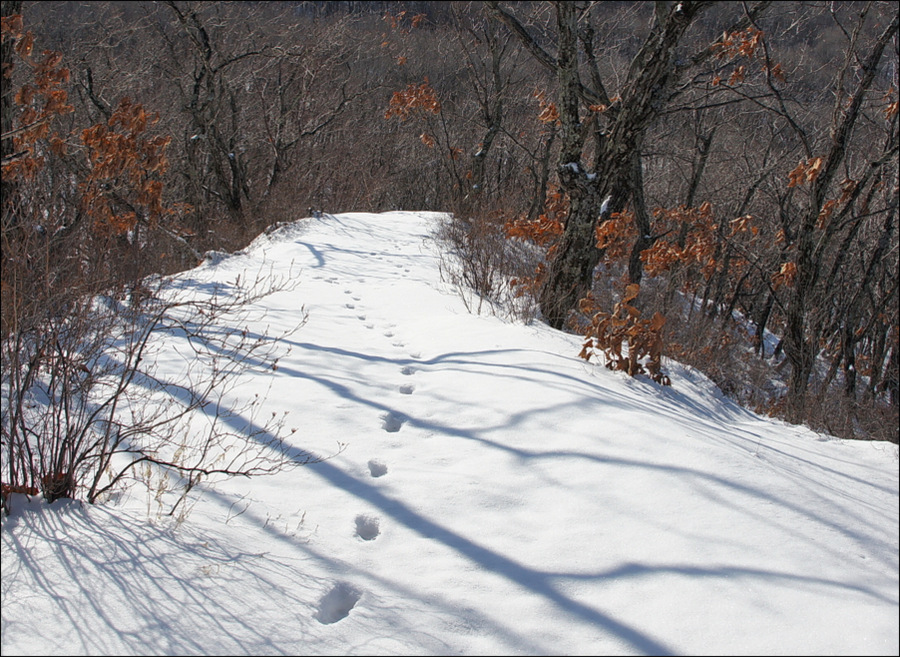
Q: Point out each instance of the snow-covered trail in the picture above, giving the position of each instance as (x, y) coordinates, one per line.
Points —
(493, 494)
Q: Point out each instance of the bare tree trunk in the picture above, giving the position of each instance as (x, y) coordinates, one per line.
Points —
(594, 196)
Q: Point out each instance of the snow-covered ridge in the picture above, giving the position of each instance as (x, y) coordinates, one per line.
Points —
(494, 494)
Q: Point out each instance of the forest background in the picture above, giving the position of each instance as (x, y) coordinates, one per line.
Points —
(715, 182)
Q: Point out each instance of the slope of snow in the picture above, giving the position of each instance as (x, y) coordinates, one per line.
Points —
(484, 492)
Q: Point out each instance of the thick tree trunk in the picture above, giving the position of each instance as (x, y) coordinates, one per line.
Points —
(595, 197)
(648, 88)
(570, 275)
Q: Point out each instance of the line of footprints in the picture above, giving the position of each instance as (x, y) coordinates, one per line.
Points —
(343, 596)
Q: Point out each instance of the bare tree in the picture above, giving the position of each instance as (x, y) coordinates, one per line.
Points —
(616, 123)
(818, 228)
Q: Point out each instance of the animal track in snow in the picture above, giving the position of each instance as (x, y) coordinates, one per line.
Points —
(408, 371)
(361, 318)
(391, 422)
(367, 527)
(350, 305)
(377, 468)
(337, 603)
(388, 334)
(407, 389)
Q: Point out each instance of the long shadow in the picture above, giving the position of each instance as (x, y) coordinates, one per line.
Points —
(320, 259)
(153, 585)
(521, 643)
(541, 583)
(536, 581)
(678, 401)
(598, 396)
(527, 578)
(163, 591)
(121, 564)
(637, 571)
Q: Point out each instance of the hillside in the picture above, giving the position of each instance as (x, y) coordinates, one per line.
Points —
(482, 491)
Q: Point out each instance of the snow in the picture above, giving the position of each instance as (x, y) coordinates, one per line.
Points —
(484, 492)
(604, 207)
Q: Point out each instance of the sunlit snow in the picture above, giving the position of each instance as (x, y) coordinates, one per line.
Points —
(483, 492)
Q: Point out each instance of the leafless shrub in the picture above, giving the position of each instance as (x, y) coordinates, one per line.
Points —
(107, 390)
(482, 264)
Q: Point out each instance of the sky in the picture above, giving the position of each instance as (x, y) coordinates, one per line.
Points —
(478, 490)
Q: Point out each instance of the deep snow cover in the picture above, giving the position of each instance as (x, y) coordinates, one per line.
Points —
(495, 495)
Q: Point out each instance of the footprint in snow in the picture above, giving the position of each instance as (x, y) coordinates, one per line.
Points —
(391, 422)
(377, 468)
(337, 603)
(407, 389)
(408, 371)
(367, 527)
